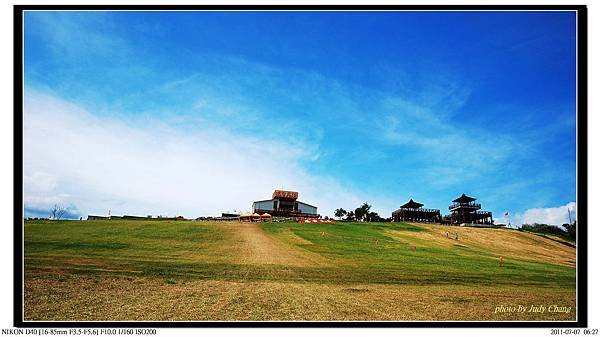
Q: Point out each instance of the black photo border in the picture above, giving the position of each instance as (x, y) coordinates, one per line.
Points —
(582, 189)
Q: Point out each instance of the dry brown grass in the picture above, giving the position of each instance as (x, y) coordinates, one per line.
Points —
(103, 297)
(245, 271)
(504, 242)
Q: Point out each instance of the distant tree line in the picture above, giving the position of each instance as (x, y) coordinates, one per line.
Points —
(569, 231)
(361, 213)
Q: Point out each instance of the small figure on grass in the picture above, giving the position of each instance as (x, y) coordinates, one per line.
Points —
(501, 259)
(413, 247)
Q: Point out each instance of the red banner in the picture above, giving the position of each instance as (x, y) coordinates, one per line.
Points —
(285, 194)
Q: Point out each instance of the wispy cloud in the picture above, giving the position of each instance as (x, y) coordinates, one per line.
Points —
(95, 164)
(288, 123)
(449, 150)
(160, 103)
(76, 34)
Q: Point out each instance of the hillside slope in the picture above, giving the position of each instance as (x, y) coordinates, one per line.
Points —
(192, 270)
(423, 252)
(501, 242)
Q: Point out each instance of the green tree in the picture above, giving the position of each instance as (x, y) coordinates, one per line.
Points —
(350, 216)
(340, 212)
(373, 216)
(571, 229)
(550, 229)
(362, 212)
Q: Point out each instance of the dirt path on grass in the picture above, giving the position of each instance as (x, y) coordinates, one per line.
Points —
(255, 246)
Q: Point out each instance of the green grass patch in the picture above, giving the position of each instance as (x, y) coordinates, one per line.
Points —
(356, 252)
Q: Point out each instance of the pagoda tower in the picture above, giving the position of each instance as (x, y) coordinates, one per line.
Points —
(464, 209)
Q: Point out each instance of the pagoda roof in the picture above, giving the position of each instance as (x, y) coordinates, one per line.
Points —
(463, 199)
(412, 204)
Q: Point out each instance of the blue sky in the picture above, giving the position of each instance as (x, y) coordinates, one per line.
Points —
(196, 113)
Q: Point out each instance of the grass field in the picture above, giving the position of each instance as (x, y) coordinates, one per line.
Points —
(192, 270)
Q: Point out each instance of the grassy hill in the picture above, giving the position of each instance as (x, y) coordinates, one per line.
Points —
(184, 270)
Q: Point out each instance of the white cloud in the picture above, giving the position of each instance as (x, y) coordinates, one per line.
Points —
(145, 166)
(75, 33)
(438, 139)
(550, 215)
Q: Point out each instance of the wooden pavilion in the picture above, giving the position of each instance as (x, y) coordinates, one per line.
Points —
(414, 211)
(465, 210)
